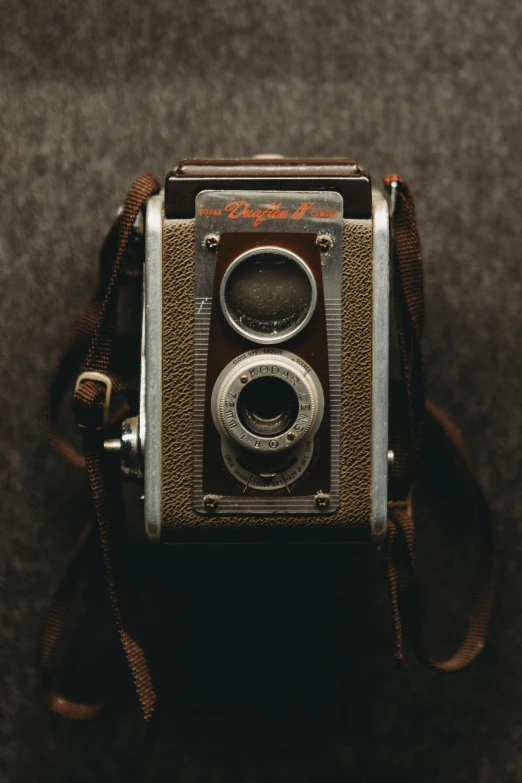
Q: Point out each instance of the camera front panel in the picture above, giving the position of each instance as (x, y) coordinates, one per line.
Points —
(267, 326)
(306, 368)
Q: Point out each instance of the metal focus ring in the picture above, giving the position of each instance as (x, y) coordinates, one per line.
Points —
(266, 365)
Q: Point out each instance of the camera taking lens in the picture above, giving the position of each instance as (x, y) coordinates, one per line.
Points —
(268, 406)
(267, 402)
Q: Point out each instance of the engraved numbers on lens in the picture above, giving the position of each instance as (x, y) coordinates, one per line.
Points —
(281, 395)
(267, 407)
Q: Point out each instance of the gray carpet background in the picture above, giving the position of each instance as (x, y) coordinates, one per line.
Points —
(91, 94)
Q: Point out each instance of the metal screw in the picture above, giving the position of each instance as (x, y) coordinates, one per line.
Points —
(243, 378)
(290, 435)
(323, 242)
(391, 457)
(322, 500)
(211, 241)
(210, 501)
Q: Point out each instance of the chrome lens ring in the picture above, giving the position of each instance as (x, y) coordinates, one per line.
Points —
(259, 336)
(303, 383)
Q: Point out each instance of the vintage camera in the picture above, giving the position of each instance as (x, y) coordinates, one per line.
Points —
(264, 373)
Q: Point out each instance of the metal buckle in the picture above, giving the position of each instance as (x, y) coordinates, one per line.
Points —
(101, 378)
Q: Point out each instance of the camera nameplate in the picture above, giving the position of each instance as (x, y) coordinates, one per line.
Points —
(317, 214)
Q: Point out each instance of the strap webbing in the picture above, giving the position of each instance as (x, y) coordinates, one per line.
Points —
(75, 353)
(406, 433)
(402, 570)
(407, 402)
(94, 335)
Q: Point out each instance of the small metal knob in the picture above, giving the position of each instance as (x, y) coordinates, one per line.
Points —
(113, 445)
(129, 447)
(131, 461)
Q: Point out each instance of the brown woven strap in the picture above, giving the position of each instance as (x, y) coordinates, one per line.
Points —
(405, 594)
(68, 365)
(408, 410)
(407, 401)
(93, 339)
(51, 631)
(75, 353)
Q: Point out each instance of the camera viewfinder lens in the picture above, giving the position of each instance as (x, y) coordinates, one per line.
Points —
(269, 294)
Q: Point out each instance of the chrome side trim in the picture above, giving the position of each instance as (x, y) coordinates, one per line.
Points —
(152, 296)
(380, 366)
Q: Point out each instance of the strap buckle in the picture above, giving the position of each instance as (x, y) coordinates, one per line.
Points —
(100, 377)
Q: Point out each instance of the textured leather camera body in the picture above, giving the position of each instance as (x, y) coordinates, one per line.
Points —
(266, 418)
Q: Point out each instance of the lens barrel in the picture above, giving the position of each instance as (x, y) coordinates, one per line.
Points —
(268, 402)
(267, 406)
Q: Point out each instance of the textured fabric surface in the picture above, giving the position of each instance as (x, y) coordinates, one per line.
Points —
(280, 660)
